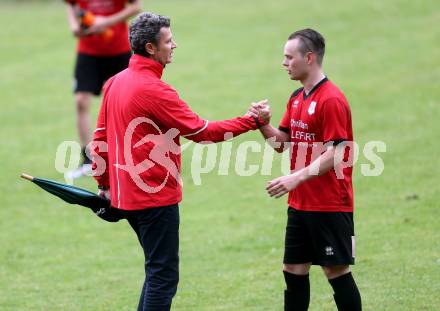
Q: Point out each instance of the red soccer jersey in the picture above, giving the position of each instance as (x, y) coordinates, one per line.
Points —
(98, 45)
(141, 120)
(311, 121)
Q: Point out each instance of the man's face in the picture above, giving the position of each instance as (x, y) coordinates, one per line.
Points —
(163, 52)
(296, 64)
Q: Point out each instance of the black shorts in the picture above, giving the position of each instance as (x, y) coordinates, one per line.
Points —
(322, 238)
(91, 72)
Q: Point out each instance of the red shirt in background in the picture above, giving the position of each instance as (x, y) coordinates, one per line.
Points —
(98, 45)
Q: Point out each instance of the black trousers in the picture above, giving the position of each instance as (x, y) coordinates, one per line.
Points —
(158, 232)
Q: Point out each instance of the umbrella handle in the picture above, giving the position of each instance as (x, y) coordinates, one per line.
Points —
(26, 176)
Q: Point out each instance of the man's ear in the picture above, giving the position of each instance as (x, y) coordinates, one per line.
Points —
(150, 48)
(310, 57)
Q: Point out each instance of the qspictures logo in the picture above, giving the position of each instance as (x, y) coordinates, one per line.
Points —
(158, 151)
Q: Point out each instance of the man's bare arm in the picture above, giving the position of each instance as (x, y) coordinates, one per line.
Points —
(74, 25)
(103, 22)
(282, 185)
(275, 137)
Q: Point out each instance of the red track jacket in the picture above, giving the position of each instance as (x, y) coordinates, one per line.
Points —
(136, 147)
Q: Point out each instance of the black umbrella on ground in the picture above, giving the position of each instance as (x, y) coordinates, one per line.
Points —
(74, 195)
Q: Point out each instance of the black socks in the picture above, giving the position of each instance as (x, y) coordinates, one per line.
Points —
(297, 295)
(347, 296)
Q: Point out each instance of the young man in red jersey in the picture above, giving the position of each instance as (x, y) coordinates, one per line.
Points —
(102, 51)
(137, 138)
(317, 126)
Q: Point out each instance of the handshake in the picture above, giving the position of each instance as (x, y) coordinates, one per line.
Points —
(260, 110)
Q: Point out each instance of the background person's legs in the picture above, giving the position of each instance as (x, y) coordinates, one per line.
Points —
(88, 83)
(83, 102)
(91, 72)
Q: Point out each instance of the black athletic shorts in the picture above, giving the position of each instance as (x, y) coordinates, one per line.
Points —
(92, 71)
(322, 238)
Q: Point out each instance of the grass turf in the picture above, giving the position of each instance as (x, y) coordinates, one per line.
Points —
(384, 55)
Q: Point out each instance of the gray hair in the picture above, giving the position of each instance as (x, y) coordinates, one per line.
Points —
(144, 29)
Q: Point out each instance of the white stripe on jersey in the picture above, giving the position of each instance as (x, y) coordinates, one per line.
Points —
(195, 133)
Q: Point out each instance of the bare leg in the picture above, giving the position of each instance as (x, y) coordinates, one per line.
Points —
(83, 102)
(333, 272)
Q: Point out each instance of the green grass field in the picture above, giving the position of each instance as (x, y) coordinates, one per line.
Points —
(383, 54)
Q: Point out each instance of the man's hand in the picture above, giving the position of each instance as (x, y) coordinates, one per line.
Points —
(100, 24)
(260, 110)
(282, 185)
(104, 194)
(76, 28)
(78, 32)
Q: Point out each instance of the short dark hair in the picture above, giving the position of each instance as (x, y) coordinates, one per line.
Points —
(144, 29)
(311, 41)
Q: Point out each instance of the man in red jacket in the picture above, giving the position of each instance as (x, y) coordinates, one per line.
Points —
(137, 152)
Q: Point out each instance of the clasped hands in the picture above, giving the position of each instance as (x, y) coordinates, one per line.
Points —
(260, 110)
(284, 184)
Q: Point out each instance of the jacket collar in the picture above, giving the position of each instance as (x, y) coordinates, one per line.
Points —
(142, 63)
